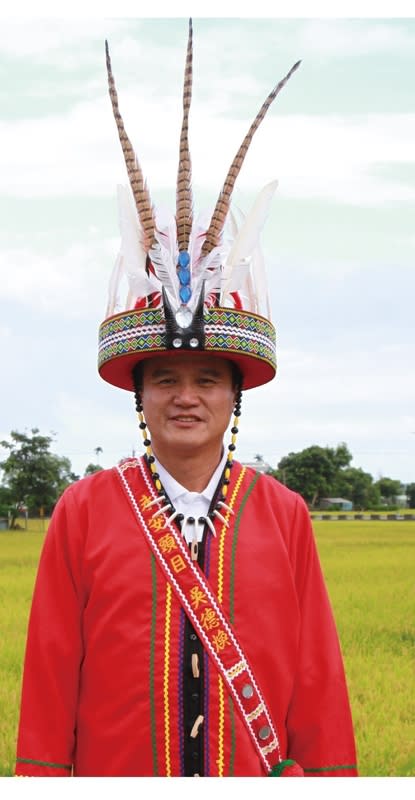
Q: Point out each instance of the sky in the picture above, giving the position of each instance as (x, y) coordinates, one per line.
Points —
(339, 241)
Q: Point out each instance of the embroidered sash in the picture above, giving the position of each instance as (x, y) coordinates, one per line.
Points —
(207, 617)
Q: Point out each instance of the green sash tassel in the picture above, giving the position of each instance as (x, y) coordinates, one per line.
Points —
(287, 769)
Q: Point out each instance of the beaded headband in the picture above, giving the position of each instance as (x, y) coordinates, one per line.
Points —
(192, 286)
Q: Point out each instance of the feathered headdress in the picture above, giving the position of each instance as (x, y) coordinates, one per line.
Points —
(193, 285)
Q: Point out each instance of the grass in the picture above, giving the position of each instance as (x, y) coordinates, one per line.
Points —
(370, 573)
(316, 512)
(19, 555)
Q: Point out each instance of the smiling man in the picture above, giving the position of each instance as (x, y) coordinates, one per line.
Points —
(180, 624)
(188, 405)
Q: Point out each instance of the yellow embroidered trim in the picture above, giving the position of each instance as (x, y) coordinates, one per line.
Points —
(166, 679)
(220, 761)
(223, 533)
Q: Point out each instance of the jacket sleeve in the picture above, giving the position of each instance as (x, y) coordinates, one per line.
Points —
(320, 730)
(54, 650)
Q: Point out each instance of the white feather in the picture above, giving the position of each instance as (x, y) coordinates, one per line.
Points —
(259, 276)
(209, 273)
(233, 224)
(197, 237)
(252, 300)
(164, 256)
(237, 278)
(113, 286)
(246, 241)
(235, 219)
(250, 230)
(134, 254)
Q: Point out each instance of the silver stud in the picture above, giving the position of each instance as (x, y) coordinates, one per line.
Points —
(184, 316)
(194, 342)
(177, 342)
(247, 691)
(264, 732)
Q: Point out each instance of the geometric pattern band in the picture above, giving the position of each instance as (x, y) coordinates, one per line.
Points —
(226, 331)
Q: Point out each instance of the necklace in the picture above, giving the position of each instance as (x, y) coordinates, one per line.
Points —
(162, 500)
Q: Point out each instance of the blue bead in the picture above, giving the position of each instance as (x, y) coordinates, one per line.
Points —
(184, 276)
(185, 294)
(184, 259)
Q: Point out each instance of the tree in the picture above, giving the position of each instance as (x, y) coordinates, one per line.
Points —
(389, 490)
(98, 450)
(92, 468)
(410, 493)
(6, 501)
(312, 472)
(357, 485)
(341, 455)
(34, 476)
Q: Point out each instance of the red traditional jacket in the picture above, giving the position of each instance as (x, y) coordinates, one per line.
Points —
(108, 688)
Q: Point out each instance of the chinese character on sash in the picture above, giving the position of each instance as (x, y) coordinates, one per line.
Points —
(197, 597)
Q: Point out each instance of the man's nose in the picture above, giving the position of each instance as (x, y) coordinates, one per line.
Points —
(185, 394)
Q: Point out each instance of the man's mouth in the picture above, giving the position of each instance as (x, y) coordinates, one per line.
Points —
(185, 418)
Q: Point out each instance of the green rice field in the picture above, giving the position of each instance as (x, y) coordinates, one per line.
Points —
(370, 573)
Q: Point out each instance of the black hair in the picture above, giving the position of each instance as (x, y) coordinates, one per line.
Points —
(137, 373)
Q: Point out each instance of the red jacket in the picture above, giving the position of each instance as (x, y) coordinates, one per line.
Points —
(103, 679)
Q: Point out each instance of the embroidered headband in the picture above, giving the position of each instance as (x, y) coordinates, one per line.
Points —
(192, 286)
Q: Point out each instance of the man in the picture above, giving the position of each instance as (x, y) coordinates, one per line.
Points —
(180, 623)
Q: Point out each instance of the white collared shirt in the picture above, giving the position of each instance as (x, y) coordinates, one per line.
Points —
(191, 504)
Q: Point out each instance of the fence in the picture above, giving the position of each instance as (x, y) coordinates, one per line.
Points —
(386, 517)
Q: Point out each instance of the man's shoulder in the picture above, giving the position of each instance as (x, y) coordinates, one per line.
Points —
(94, 484)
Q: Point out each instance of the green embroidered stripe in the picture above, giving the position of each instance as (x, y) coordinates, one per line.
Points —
(330, 769)
(152, 661)
(233, 739)
(234, 543)
(43, 763)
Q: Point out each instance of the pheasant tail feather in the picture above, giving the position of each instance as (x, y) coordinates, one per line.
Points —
(138, 185)
(223, 202)
(184, 203)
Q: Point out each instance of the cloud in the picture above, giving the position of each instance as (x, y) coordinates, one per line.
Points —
(341, 284)
(319, 155)
(335, 157)
(322, 156)
(54, 41)
(315, 399)
(69, 284)
(338, 39)
(344, 393)
(104, 418)
(50, 39)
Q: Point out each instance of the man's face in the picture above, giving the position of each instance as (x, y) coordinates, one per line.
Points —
(187, 403)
